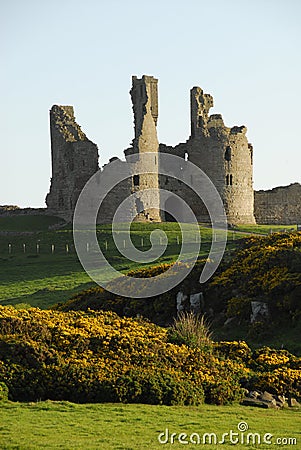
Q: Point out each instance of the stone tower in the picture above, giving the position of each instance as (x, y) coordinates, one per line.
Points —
(74, 161)
(225, 155)
(144, 94)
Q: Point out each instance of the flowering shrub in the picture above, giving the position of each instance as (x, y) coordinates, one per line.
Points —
(98, 357)
(263, 269)
(235, 350)
(160, 309)
(282, 381)
(265, 369)
(239, 307)
(266, 359)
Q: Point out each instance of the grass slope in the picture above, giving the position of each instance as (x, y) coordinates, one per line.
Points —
(261, 268)
(44, 278)
(28, 223)
(52, 425)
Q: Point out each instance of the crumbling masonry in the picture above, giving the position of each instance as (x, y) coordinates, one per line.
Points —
(74, 161)
(223, 153)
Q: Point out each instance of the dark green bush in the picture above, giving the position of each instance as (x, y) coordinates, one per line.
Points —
(3, 392)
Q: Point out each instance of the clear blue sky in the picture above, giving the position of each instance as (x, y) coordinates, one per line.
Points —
(83, 53)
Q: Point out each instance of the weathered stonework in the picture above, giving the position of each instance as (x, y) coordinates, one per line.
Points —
(281, 205)
(144, 94)
(74, 161)
(223, 153)
(143, 205)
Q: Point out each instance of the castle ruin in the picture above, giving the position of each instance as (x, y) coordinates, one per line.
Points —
(74, 160)
(223, 153)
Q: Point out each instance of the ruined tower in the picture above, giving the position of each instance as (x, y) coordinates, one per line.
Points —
(74, 160)
(225, 155)
(144, 94)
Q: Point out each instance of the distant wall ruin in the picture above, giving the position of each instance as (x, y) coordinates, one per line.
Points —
(281, 205)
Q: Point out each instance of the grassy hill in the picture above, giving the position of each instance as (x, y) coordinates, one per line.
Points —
(41, 267)
(265, 269)
(47, 272)
(28, 222)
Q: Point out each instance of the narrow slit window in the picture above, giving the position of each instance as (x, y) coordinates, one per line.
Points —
(228, 154)
(229, 180)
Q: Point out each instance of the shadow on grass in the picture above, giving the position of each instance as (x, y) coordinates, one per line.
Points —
(47, 297)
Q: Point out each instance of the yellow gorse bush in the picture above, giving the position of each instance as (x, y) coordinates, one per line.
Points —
(99, 356)
(266, 269)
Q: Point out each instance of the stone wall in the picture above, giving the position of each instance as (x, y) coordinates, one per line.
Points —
(281, 205)
(7, 210)
(74, 161)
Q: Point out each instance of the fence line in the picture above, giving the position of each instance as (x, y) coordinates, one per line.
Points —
(59, 248)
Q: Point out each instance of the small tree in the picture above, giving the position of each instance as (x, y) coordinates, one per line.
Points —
(191, 330)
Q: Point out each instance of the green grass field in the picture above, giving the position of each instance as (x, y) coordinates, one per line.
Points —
(28, 223)
(70, 426)
(265, 229)
(42, 268)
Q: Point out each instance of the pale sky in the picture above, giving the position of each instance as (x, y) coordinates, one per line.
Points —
(246, 53)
